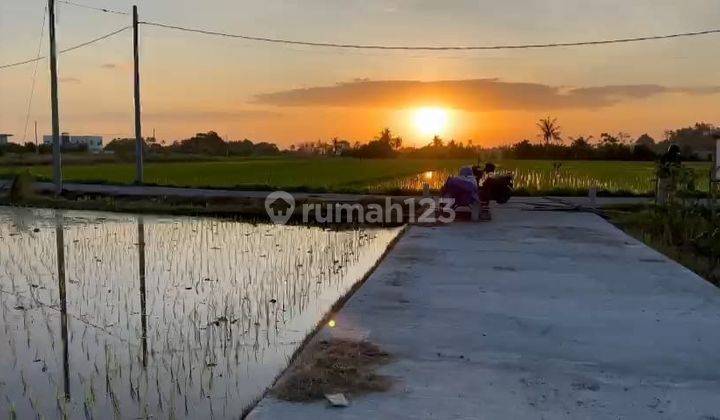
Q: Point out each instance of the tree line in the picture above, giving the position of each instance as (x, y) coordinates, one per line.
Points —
(209, 143)
(696, 143)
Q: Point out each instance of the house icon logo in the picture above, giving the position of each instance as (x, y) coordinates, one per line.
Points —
(279, 206)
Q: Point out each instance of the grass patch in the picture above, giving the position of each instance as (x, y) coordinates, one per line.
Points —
(334, 366)
(323, 174)
(21, 188)
(689, 235)
(381, 176)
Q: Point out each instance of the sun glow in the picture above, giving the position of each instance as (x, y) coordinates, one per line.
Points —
(430, 121)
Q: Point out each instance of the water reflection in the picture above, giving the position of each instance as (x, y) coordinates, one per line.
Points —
(143, 302)
(60, 248)
(162, 317)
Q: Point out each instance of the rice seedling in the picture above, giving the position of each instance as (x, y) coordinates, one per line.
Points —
(372, 175)
(546, 178)
(255, 292)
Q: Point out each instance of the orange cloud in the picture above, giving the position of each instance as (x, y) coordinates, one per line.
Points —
(471, 95)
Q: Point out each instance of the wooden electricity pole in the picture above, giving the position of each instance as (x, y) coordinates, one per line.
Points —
(57, 147)
(37, 146)
(138, 127)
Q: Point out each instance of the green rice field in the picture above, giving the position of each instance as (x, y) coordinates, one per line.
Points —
(532, 177)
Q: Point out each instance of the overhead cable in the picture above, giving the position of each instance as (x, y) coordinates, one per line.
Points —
(432, 48)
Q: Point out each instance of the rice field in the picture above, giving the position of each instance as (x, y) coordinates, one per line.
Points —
(562, 178)
(121, 316)
(532, 177)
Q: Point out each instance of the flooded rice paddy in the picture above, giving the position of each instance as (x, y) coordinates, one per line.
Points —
(535, 181)
(120, 316)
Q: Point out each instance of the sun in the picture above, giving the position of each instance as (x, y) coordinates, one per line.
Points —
(430, 121)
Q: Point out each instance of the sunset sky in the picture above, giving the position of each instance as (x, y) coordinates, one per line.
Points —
(289, 94)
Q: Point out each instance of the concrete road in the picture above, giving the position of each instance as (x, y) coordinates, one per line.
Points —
(534, 315)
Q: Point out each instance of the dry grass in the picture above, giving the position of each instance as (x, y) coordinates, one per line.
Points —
(336, 366)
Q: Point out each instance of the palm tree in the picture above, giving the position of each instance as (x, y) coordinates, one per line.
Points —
(396, 143)
(387, 136)
(549, 130)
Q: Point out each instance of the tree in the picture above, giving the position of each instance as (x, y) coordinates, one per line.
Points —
(208, 143)
(608, 139)
(395, 142)
(549, 130)
(580, 147)
(385, 135)
(340, 147)
(523, 150)
(580, 142)
(642, 152)
(645, 140)
(624, 137)
(264, 149)
(381, 147)
(437, 141)
(124, 147)
(239, 148)
(698, 138)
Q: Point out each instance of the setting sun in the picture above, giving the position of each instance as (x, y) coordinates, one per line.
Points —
(430, 121)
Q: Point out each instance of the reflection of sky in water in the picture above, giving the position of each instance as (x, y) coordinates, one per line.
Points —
(226, 305)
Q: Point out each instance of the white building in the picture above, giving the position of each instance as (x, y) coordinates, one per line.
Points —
(94, 143)
(4, 139)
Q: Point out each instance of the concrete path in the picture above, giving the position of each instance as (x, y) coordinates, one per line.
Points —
(534, 315)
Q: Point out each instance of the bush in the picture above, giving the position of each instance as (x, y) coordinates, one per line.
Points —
(21, 188)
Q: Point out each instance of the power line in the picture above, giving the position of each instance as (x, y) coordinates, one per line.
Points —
(433, 48)
(74, 47)
(92, 41)
(377, 47)
(34, 77)
(99, 9)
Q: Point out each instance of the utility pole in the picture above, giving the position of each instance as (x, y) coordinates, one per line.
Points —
(37, 146)
(139, 178)
(57, 147)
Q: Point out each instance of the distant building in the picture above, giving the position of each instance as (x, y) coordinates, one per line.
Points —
(94, 143)
(4, 139)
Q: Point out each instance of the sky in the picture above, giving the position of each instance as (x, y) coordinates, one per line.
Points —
(289, 94)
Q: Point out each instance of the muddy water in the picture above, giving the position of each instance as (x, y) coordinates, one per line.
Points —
(105, 315)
